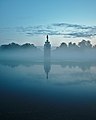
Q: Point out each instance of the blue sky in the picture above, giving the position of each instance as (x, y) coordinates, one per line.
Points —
(64, 20)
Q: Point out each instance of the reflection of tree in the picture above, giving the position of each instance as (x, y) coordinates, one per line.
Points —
(76, 82)
(12, 63)
(82, 65)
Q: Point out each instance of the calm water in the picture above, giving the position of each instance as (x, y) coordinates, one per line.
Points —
(47, 91)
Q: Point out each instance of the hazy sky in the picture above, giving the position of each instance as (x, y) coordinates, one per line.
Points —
(31, 20)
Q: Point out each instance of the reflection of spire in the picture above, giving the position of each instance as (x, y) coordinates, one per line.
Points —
(47, 76)
(47, 67)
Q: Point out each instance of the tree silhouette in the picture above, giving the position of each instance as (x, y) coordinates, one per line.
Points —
(28, 46)
(14, 46)
(63, 45)
(85, 44)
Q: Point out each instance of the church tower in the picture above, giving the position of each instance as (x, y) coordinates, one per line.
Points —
(47, 49)
(47, 55)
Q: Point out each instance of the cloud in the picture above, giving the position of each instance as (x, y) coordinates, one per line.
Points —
(42, 32)
(80, 34)
(64, 29)
(73, 26)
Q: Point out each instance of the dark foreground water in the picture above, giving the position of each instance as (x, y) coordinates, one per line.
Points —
(68, 92)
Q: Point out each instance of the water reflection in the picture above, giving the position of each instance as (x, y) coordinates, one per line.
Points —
(82, 65)
(47, 67)
(60, 73)
(70, 89)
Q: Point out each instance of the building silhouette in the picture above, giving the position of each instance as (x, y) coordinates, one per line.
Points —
(47, 56)
(47, 49)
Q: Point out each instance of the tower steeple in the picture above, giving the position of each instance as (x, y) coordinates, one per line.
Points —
(47, 49)
(47, 55)
(47, 38)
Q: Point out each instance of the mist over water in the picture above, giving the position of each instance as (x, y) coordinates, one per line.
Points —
(68, 92)
(48, 84)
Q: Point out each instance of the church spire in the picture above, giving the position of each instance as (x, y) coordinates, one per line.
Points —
(47, 55)
(47, 38)
(47, 49)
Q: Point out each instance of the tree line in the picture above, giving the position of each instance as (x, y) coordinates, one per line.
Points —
(13, 46)
(84, 44)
